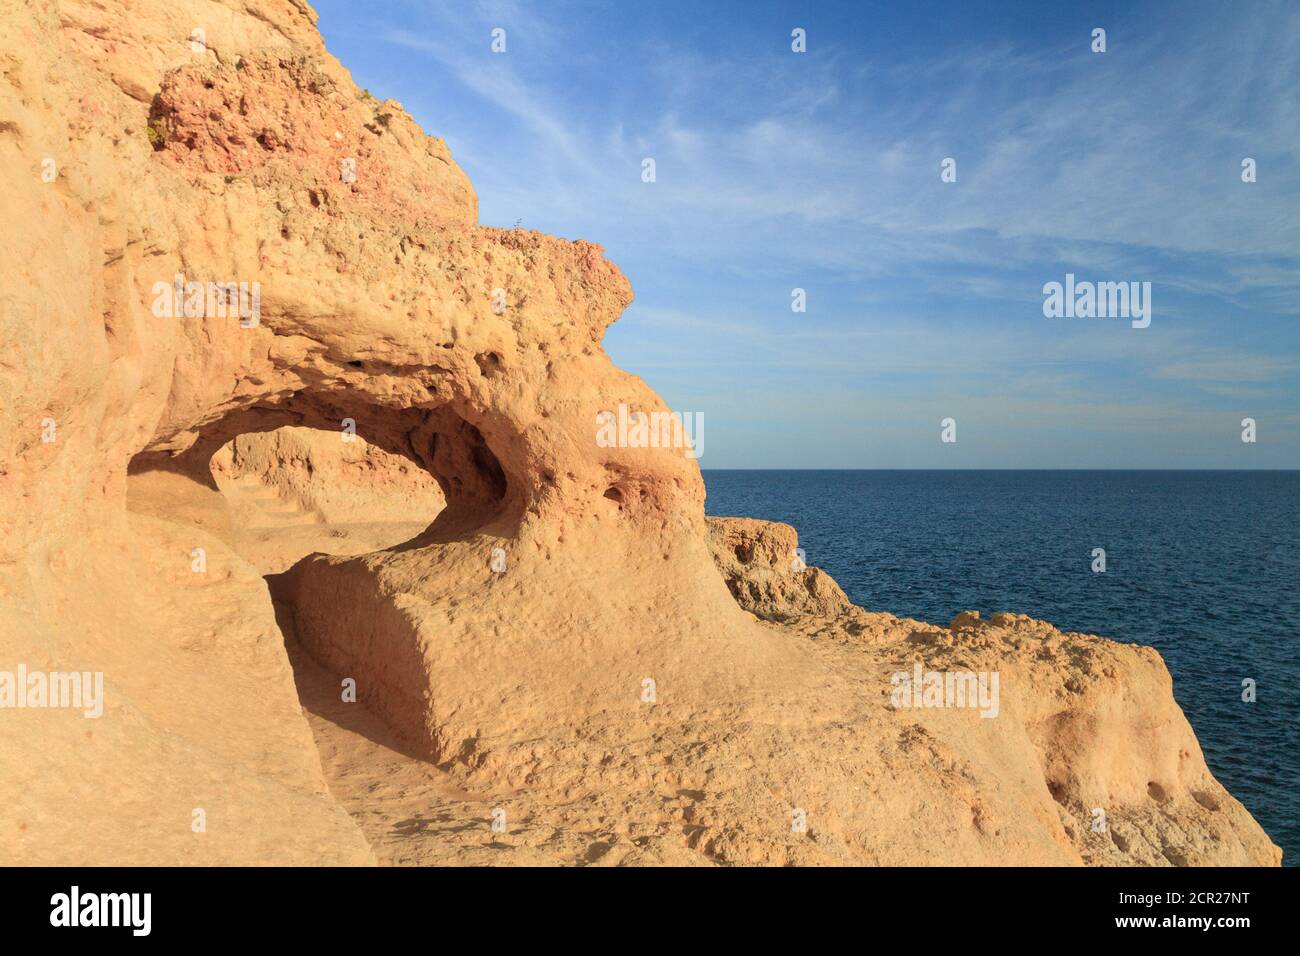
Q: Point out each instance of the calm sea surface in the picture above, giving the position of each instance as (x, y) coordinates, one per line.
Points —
(1202, 565)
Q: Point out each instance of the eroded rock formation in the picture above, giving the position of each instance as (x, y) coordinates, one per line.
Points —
(558, 641)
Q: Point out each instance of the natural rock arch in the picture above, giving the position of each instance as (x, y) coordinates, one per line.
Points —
(478, 493)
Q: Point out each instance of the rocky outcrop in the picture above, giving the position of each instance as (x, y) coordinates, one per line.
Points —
(559, 636)
(766, 572)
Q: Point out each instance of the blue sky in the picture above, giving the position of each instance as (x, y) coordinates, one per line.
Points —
(821, 170)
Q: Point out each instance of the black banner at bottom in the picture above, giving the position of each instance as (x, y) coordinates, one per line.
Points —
(357, 905)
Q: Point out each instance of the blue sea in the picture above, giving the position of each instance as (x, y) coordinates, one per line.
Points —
(1202, 565)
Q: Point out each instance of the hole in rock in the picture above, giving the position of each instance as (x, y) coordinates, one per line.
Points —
(489, 363)
(276, 496)
(276, 483)
(323, 472)
(295, 491)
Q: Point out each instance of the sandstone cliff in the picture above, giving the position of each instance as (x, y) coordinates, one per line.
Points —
(554, 637)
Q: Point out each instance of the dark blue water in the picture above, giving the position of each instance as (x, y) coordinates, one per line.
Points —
(1202, 565)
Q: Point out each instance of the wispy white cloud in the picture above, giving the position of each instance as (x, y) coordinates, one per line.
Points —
(1229, 367)
(822, 170)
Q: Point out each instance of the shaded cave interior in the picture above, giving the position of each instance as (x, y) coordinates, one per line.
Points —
(335, 461)
(276, 483)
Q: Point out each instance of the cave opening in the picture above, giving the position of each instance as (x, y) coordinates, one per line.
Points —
(314, 474)
(277, 483)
